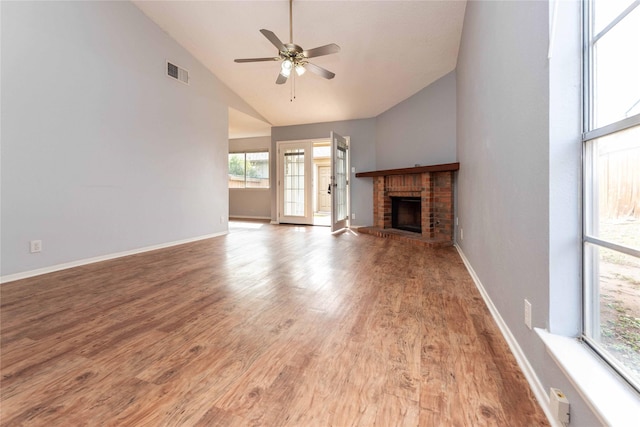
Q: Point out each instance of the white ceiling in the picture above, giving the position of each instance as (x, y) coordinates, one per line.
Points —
(389, 51)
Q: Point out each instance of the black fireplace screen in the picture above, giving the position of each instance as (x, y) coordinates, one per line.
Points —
(406, 213)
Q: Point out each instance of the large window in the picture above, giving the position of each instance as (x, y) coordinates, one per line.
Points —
(611, 141)
(249, 170)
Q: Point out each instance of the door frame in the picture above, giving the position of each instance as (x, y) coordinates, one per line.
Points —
(279, 171)
(341, 224)
(307, 219)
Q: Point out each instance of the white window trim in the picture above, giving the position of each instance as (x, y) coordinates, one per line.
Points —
(587, 343)
(595, 386)
(262, 150)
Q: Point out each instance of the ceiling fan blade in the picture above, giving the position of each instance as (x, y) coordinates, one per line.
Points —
(273, 39)
(322, 50)
(257, 59)
(319, 71)
(281, 79)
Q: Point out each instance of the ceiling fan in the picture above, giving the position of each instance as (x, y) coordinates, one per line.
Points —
(294, 57)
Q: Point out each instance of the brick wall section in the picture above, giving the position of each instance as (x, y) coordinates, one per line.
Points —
(443, 205)
(427, 205)
(436, 192)
(378, 202)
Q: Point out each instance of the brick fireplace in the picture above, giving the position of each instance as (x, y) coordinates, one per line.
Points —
(431, 187)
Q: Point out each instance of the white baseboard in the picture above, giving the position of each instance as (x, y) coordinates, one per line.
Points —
(533, 380)
(66, 265)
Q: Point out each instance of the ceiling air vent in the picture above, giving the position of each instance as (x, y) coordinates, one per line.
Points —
(177, 73)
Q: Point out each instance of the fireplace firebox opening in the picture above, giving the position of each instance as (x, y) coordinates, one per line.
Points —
(406, 213)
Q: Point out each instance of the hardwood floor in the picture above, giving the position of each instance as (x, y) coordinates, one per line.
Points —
(269, 325)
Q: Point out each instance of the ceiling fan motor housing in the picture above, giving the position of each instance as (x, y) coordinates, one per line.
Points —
(293, 52)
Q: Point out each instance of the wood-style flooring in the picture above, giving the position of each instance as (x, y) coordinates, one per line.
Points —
(268, 325)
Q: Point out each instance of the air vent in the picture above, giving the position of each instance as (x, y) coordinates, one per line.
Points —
(177, 73)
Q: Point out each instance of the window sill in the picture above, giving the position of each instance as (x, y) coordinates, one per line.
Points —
(611, 399)
(249, 189)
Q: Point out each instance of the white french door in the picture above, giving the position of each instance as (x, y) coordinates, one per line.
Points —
(295, 182)
(340, 184)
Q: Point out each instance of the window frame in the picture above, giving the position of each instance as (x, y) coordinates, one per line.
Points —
(244, 153)
(590, 280)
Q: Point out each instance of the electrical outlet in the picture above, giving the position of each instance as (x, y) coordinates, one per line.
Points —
(353, 215)
(35, 246)
(461, 234)
(456, 221)
(221, 219)
(527, 313)
(559, 405)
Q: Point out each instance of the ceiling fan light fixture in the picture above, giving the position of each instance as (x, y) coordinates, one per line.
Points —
(286, 67)
(300, 69)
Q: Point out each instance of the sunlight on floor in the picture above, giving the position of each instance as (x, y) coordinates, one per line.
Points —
(233, 224)
(322, 219)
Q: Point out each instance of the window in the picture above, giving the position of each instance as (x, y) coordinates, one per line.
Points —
(611, 143)
(249, 170)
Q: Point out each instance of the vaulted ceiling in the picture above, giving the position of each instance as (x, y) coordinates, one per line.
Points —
(389, 51)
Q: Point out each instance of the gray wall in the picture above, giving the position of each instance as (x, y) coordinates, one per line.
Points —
(362, 134)
(503, 146)
(251, 202)
(101, 151)
(504, 141)
(419, 130)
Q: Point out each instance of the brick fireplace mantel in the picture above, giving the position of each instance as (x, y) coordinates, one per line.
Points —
(433, 184)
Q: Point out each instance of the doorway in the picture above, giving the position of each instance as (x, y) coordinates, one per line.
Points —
(322, 183)
(313, 182)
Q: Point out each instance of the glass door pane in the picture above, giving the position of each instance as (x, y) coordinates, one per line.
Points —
(341, 183)
(294, 182)
(339, 203)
